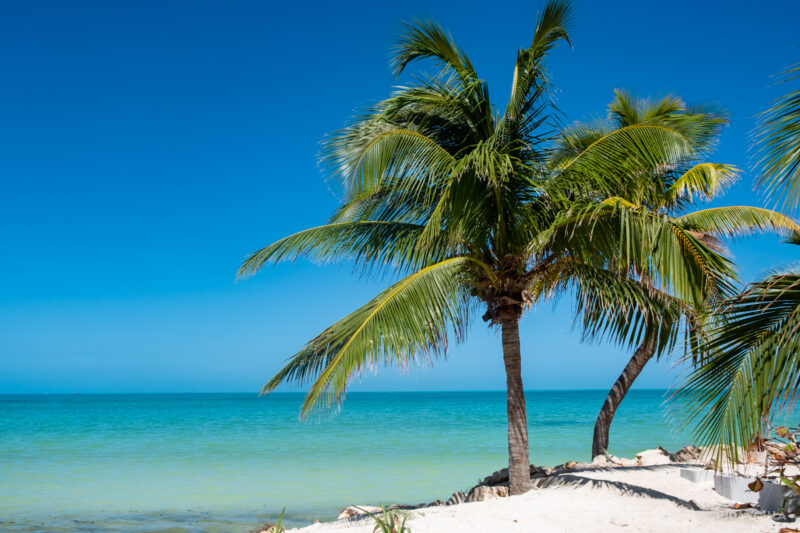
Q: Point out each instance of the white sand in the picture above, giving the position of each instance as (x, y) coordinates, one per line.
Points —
(628, 499)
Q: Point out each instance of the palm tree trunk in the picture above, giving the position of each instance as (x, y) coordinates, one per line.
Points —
(617, 393)
(519, 474)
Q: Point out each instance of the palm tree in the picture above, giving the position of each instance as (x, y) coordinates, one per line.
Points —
(456, 197)
(753, 369)
(440, 187)
(664, 187)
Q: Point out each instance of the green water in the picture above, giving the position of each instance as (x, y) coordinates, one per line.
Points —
(226, 462)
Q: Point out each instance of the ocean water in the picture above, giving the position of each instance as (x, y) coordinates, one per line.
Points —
(228, 462)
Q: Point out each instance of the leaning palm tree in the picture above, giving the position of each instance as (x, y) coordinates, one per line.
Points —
(442, 189)
(753, 370)
(665, 187)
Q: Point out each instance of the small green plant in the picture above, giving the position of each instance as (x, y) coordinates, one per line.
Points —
(390, 522)
(270, 527)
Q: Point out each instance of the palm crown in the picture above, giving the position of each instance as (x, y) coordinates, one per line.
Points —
(662, 179)
(439, 186)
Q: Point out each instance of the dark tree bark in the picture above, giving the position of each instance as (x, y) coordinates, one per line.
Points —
(617, 393)
(519, 473)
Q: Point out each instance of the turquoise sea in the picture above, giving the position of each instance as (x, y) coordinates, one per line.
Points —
(228, 462)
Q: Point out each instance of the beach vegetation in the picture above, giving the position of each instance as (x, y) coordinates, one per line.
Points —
(270, 527)
(390, 521)
(752, 369)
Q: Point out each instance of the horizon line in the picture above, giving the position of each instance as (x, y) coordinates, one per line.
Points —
(301, 392)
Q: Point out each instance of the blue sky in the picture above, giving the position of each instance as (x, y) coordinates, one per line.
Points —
(147, 147)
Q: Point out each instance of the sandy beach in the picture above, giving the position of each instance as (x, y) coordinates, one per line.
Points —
(643, 498)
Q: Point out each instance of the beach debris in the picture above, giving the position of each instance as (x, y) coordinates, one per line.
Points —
(483, 492)
(456, 498)
(601, 461)
(688, 454)
(756, 486)
(500, 477)
(357, 510)
(742, 505)
(788, 530)
(658, 456)
(267, 528)
(608, 461)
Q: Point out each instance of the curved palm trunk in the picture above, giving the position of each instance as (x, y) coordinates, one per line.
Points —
(519, 474)
(617, 393)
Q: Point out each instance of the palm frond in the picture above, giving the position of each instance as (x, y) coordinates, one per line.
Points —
(440, 106)
(778, 141)
(529, 84)
(368, 243)
(611, 305)
(399, 153)
(407, 322)
(700, 124)
(427, 39)
(629, 150)
(626, 109)
(738, 221)
(635, 240)
(755, 366)
(703, 181)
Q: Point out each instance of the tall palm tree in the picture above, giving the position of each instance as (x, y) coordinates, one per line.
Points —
(753, 367)
(456, 197)
(441, 187)
(665, 187)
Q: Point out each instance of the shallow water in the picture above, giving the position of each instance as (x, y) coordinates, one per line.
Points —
(228, 462)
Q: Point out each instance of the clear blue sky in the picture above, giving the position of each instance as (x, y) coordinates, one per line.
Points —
(147, 147)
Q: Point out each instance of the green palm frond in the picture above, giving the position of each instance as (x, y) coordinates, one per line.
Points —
(407, 322)
(375, 243)
(441, 106)
(626, 109)
(629, 151)
(778, 141)
(616, 201)
(427, 39)
(700, 124)
(611, 305)
(708, 273)
(463, 213)
(552, 25)
(523, 113)
(392, 154)
(703, 181)
(636, 240)
(738, 221)
(391, 201)
(755, 367)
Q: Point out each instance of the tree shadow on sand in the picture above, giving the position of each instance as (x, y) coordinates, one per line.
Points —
(572, 480)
